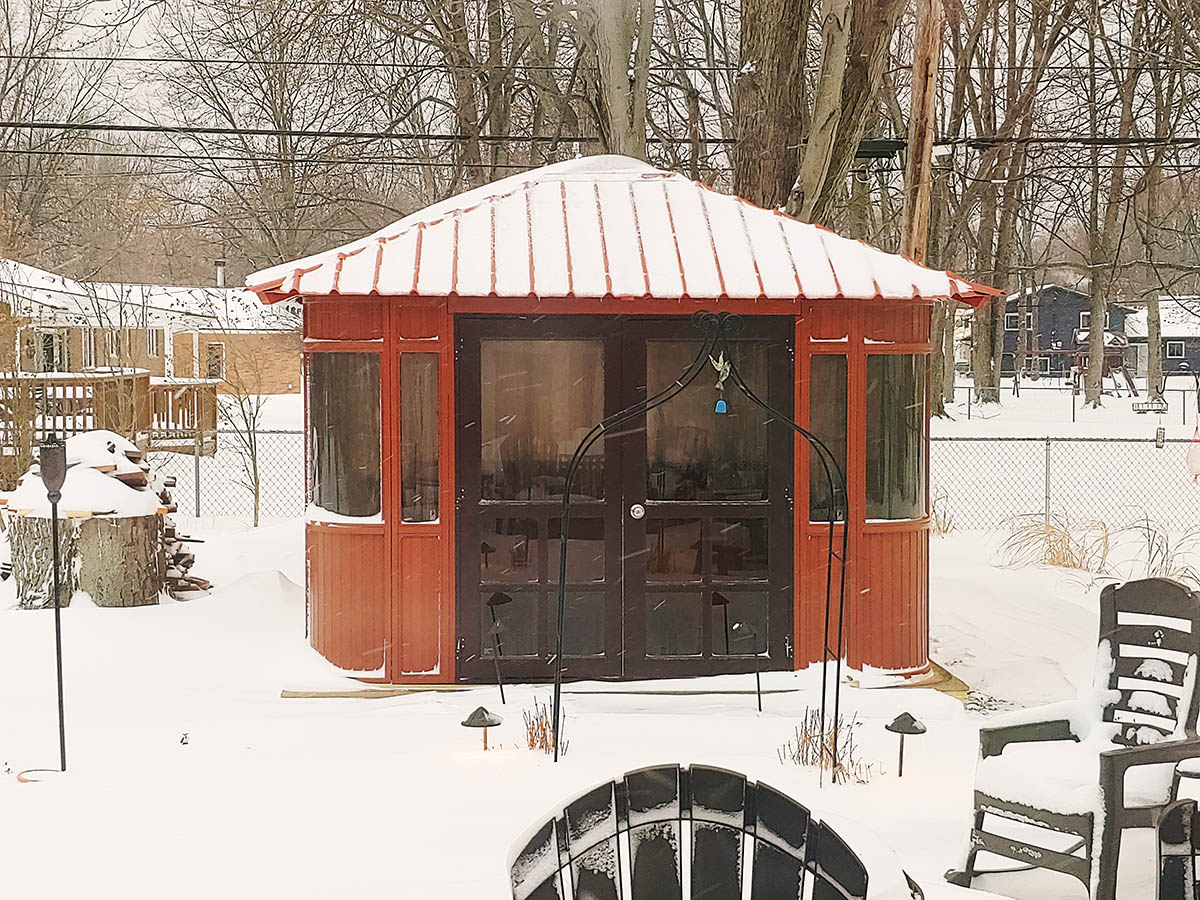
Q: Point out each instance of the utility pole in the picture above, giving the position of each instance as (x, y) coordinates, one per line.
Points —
(918, 168)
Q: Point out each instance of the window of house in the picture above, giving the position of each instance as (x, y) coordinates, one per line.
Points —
(1085, 319)
(155, 339)
(827, 421)
(112, 344)
(895, 436)
(87, 348)
(214, 360)
(419, 437)
(1044, 364)
(1012, 321)
(51, 356)
(344, 433)
(1174, 349)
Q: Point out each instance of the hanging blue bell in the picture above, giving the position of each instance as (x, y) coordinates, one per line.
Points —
(721, 405)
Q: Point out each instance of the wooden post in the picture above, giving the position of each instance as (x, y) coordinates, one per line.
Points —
(918, 167)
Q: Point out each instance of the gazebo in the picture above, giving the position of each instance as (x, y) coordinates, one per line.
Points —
(454, 359)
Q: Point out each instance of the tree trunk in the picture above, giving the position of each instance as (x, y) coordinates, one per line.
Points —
(117, 561)
(827, 110)
(769, 99)
(32, 561)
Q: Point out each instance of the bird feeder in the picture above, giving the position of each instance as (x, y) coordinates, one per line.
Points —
(481, 718)
(902, 725)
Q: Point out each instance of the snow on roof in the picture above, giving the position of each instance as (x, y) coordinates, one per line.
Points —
(52, 299)
(1179, 317)
(607, 226)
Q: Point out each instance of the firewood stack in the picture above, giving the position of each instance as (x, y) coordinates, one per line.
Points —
(124, 536)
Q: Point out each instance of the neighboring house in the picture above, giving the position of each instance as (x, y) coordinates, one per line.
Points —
(1179, 319)
(178, 332)
(1056, 319)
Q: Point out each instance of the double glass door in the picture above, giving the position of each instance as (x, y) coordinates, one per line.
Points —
(679, 547)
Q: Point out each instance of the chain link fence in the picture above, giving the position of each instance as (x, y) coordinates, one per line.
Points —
(975, 482)
(983, 483)
(220, 485)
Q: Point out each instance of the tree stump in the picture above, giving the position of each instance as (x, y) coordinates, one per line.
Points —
(117, 561)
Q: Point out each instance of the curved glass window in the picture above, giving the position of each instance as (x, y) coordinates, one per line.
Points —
(827, 421)
(895, 436)
(344, 433)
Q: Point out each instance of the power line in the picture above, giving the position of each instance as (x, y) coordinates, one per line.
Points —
(214, 130)
(974, 142)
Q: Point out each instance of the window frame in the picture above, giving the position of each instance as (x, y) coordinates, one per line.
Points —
(87, 348)
(156, 342)
(208, 347)
(1015, 319)
(1182, 345)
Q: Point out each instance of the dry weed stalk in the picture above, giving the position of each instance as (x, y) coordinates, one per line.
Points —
(1164, 557)
(1036, 541)
(539, 729)
(941, 520)
(810, 747)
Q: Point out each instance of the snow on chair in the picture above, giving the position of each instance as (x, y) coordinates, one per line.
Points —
(1057, 785)
(633, 839)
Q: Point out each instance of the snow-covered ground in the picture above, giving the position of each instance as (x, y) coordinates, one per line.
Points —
(352, 798)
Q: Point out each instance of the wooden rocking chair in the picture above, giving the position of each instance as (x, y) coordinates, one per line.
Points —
(1112, 761)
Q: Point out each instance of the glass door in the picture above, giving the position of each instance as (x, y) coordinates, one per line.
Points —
(528, 391)
(679, 556)
(707, 518)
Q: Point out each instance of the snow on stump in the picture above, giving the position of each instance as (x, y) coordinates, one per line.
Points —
(115, 543)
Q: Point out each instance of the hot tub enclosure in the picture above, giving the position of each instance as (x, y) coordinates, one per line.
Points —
(454, 358)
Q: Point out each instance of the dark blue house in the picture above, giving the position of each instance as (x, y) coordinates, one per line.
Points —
(1179, 324)
(1053, 317)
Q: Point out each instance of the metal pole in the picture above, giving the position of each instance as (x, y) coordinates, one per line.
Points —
(968, 403)
(725, 611)
(1047, 481)
(497, 650)
(196, 467)
(62, 728)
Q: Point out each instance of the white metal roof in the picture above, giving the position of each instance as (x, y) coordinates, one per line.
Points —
(607, 226)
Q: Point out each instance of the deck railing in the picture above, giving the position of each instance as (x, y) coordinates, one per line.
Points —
(157, 414)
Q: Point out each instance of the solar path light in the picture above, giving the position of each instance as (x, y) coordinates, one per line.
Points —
(52, 463)
(904, 724)
(481, 718)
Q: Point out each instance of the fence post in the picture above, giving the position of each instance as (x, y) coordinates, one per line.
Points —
(1047, 481)
(196, 466)
(968, 403)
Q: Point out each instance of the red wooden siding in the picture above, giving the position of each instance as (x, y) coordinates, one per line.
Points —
(344, 320)
(889, 617)
(418, 619)
(347, 623)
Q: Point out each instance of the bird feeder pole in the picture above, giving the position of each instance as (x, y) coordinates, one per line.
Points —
(52, 464)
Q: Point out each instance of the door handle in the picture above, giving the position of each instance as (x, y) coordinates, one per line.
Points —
(637, 511)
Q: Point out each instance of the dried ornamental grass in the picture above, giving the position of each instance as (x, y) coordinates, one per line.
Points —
(941, 521)
(809, 747)
(1165, 557)
(539, 729)
(1037, 541)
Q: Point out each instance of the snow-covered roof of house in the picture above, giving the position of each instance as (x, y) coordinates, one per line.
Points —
(1038, 289)
(52, 299)
(1178, 317)
(607, 226)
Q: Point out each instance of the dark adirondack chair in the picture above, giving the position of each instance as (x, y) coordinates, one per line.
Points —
(1063, 782)
(1179, 851)
(651, 833)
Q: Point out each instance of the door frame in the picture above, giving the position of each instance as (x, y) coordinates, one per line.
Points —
(624, 480)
